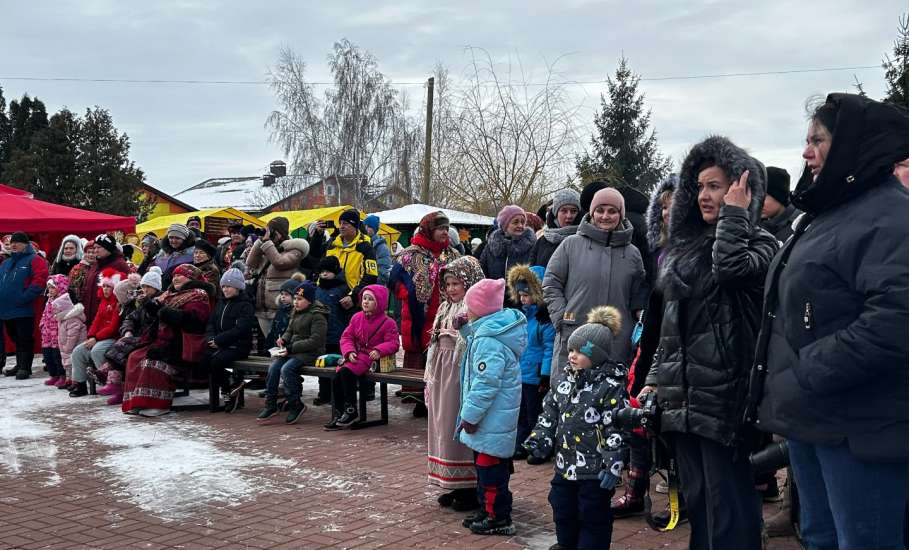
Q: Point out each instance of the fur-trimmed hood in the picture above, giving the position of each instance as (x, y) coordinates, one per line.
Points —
(655, 211)
(295, 244)
(530, 276)
(501, 245)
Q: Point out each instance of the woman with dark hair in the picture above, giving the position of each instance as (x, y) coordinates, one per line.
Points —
(562, 219)
(834, 333)
(711, 282)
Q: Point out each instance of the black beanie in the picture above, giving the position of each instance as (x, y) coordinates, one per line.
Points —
(331, 264)
(778, 184)
(207, 247)
(350, 216)
(19, 237)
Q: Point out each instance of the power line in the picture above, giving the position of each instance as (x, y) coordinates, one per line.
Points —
(421, 83)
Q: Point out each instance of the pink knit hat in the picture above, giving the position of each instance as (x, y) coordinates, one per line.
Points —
(507, 214)
(610, 197)
(486, 297)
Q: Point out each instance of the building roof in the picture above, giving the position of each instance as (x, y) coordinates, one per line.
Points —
(165, 196)
(413, 213)
(243, 193)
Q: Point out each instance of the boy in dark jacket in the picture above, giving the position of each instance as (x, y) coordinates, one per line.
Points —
(525, 286)
(332, 288)
(300, 345)
(578, 422)
(229, 336)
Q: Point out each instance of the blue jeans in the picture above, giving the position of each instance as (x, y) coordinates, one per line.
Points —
(289, 369)
(847, 503)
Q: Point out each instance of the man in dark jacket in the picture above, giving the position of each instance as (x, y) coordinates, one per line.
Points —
(22, 280)
(712, 283)
(778, 214)
(834, 335)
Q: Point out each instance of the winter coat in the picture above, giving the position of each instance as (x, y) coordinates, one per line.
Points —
(228, 253)
(358, 261)
(210, 273)
(491, 382)
(168, 259)
(330, 292)
(503, 251)
(536, 360)
(106, 323)
(23, 278)
(274, 264)
(712, 282)
(591, 269)
(61, 265)
(305, 334)
(383, 258)
(780, 226)
(836, 343)
(577, 422)
(278, 324)
(545, 246)
(70, 326)
(370, 332)
(185, 310)
(231, 325)
(88, 294)
(48, 326)
(415, 283)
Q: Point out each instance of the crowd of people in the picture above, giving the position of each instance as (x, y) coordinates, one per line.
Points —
(752, 312)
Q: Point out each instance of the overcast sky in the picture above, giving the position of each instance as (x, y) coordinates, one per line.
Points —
(182, 134)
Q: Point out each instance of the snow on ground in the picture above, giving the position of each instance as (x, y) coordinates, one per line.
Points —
(172, 467)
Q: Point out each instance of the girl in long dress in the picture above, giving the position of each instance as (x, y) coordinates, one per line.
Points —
(450, 463)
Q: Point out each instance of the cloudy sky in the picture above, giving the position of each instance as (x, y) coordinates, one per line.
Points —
(182, 134)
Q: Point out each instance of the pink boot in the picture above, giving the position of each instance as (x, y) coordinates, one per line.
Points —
(63, 382)
(52, 381)
(116, 398)
(113, 386)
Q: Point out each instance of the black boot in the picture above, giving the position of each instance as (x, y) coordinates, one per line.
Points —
(349, 417)
(489, 526)
(465, 500)
(420, 410)
(79, 389)
(294, 411)
(270, 410)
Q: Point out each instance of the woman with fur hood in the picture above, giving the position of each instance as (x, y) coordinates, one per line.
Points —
(508, 245)
(712, 284)
(562, 219)
(69, 254)
(273, 259)
(597, 266)
(150, 372)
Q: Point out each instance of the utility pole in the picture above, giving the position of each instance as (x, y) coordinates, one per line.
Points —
(427, 151)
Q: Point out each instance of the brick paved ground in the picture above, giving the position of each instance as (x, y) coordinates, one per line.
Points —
(77, 474)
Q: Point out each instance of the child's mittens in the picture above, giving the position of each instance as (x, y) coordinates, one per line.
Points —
(468, 427)
(538, 447)
(608, 480)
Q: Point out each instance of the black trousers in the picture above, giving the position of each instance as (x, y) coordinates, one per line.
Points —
(724, 509)
(21, 331)
(531, 407)
(581, 512)
(220, 359)
(344, 387)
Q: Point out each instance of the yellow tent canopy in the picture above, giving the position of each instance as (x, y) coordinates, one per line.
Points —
(159, 225)
(302, 218)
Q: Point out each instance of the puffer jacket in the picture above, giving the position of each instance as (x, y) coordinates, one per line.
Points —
(383, 258)
(835, 337)
(23, 278)
(502, 252)
(330, 292)
(491, 382)
(358, 261)
(590, 269)
(280, 263)
(370, 332)
(577, 422)
(712, 283)
(231, 325)
(168, 258)
(70, 326)
(305, 334)
(536, 360)
(48, 323)
(107, 320)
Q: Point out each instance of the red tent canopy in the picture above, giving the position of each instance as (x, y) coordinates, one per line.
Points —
(7, 190)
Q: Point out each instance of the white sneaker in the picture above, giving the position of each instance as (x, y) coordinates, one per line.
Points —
(151, 413)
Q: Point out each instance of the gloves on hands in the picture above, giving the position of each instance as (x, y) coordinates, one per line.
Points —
(607, 480)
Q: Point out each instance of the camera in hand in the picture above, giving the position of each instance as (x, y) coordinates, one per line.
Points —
(647, 416)
(771, 458)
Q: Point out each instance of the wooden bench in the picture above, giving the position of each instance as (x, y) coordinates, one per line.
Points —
(259, 365)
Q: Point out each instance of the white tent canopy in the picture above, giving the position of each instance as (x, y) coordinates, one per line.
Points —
(413, 213)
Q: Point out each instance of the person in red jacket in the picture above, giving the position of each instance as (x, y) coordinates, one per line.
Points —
(102, 333)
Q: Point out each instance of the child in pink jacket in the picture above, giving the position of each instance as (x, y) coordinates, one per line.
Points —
(70, 333)
(50, 349)
(370, 336)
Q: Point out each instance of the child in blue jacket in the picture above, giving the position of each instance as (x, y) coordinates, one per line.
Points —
(525, 287)
(332, 288)
(490, 400)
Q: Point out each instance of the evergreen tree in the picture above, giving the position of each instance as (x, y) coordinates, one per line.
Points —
(4, 133)
(897, 69)
(625, 150)
(27, 118)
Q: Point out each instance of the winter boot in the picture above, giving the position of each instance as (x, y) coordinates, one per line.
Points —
(63, 382)
(52, 381)
(474, 518)
(465, 500)
(445, 500)
(270, 410)
(113, 386)
(294, 412)
(420, 410)
(632, 502)
(79, 389)
(536, 461)
(115, 399)
(332, 425)
(489, 526)
(24, 361)
(349, 417)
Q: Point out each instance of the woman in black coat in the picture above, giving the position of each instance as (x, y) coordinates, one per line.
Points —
(834, 336)
(711, 281)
